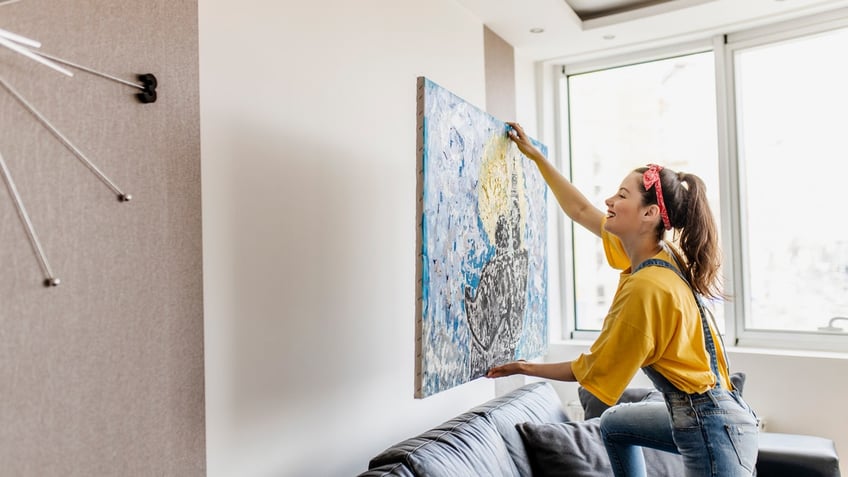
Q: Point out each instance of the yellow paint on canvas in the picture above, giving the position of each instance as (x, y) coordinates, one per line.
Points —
(501, 160)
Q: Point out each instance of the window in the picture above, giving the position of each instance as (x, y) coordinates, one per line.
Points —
(791, 117)
(660, 111)
(761, 117)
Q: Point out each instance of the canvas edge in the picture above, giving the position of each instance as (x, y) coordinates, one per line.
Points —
(419, 214)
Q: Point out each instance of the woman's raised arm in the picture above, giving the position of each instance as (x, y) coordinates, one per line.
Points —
(575, 205)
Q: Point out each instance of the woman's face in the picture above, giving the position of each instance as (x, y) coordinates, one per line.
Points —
(625, 212)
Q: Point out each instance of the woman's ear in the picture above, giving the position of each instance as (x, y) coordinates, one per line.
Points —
(652, 213)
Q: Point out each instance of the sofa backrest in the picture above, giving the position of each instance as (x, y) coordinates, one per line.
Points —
(482, 441)
(535, 402)
(468, 445)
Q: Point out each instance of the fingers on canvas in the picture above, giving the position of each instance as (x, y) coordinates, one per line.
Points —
(515, 129)
(501, 371)
(495, 372)
(514, 135)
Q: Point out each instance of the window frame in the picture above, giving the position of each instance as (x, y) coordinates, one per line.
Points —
(740, 307)
(731, 186)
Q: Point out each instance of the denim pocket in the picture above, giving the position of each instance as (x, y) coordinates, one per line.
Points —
(743, 438)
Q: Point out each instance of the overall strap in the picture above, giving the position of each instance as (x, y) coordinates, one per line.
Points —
(708, 336)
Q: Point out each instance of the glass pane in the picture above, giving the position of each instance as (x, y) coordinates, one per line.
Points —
(660, 112)
(792, 109)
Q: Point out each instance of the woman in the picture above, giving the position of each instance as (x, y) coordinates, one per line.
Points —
(656, 322)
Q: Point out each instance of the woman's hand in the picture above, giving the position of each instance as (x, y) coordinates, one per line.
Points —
(558, 371)
(520, 138)
(508, 369)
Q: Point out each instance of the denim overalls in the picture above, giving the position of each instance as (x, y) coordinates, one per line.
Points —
(715, 432)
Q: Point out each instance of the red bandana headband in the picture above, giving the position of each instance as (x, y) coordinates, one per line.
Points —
(651, 178)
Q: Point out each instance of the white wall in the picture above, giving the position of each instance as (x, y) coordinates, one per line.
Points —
(308, 132)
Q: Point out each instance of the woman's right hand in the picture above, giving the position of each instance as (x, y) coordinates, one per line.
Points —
(508, 369)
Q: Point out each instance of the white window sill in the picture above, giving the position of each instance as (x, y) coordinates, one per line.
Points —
(564, 347)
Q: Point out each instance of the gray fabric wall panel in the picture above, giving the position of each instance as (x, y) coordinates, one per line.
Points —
(103, 375)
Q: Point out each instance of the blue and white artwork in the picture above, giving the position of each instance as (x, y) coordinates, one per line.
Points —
(483, 249)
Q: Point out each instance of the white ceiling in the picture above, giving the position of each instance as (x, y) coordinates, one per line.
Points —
(566, 36)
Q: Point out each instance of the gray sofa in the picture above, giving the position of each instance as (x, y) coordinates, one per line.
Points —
(526, 433)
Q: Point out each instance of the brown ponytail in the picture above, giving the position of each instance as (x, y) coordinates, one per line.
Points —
(685, 197)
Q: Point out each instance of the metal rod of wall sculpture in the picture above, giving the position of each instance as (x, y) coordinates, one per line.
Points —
(122, 196)
(89, 70)
(19, 39)
(147, 82)
(50, 279)
(9, 39)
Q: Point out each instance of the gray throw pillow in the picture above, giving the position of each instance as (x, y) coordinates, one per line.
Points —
(576, 449)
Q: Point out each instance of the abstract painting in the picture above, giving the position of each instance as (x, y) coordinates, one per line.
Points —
(482, 290)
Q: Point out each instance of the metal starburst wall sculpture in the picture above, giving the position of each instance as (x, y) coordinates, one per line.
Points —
(31, 49)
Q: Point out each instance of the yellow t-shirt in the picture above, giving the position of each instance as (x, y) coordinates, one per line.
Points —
(653, 321)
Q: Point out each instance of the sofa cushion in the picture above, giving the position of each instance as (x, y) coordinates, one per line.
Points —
(536, 402)
(791, 455)
(466, 445)
(576, 449)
